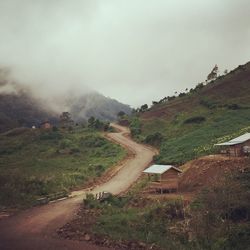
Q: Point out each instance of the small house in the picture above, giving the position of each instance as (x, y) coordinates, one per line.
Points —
(238, 146)
(46, 125)
(163, 177)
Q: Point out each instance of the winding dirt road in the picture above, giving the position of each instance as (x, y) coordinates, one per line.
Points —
(35, 228)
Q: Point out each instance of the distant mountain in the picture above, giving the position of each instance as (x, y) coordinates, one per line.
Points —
(22, 109)
(97, 105)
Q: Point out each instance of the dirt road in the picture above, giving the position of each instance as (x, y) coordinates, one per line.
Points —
(36, 228)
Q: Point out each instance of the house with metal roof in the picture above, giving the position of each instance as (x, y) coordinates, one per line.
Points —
(238, 146)
(163, 177)
(46, 125)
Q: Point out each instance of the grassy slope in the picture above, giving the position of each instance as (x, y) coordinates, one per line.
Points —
(183, 141)
(219, 217)
(37, 163)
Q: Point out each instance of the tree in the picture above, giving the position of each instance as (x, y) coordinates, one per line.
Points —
(154, 139)
(213, 74)
(144, 108)
(91, 122)
(121, 114)
(97, 124)
(65, 120)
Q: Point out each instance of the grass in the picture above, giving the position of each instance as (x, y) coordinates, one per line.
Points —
(37, 163)
(217, 219)
(185, 141)
(119, 219)
(147, 225)
(191, 124)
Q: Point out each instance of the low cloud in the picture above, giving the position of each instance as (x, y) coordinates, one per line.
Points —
(135, 51)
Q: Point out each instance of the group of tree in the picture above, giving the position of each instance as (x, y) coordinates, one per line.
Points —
(211, 76)
(97, 124)
(66, 120)
(121, 114)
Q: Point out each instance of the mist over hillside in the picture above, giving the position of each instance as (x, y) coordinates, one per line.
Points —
(97, 105)
(21, 106)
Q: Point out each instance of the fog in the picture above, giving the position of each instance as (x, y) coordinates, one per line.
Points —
(135, 51)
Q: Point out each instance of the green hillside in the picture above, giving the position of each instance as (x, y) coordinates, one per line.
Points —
(189, 125)
(36, 163)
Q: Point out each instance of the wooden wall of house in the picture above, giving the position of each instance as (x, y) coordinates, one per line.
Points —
(237, 150)
(247, 143)
(170, 179)
(170, 174)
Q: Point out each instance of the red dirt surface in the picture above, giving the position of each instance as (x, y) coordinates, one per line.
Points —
(208, 170)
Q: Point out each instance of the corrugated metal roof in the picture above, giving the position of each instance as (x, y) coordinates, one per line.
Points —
(235, 141)
(159, 169)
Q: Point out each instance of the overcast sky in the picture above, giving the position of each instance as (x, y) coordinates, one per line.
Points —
(133, 50)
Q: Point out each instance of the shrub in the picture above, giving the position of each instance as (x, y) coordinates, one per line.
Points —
(154, 139)
(209, 103)
(182, 94)
(50, 136)
(233, 106)
(91, 202)
(92, 141)
(64, 144)
(222, 212)
(135, 126)
(54, 129)
(195, 119)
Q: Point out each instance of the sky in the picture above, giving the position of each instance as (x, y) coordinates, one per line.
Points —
(136, 51)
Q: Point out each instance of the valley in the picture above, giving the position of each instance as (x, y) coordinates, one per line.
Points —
(36, 228)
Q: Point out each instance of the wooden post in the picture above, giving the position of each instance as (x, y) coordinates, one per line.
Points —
(161, 183)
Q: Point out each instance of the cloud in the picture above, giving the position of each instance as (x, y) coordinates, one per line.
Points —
(136, 50)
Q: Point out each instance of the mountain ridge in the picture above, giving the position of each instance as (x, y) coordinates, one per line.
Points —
(20, 107)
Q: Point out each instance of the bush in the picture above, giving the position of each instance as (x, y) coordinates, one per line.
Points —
(135, 126)
(64, 144)
(97, 124)
(92, 141)
(223, 212)
(195, 119)
(182, 94)
(154, 139)
(91, 202)
(198, 87)
(54, 129)
(209, 103)
(50, 136)
(233, 106)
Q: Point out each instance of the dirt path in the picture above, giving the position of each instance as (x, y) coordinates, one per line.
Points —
(36, 228)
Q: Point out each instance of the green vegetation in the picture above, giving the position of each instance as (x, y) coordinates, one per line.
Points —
(154, 139)
(186, 137)
(150, 225)
(35, 163)
(135, 126)
(217, 219)
(192, 123)
(195, 119)
(221, 214)
(97, 124)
